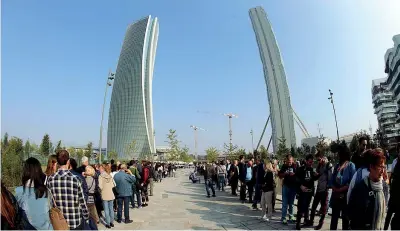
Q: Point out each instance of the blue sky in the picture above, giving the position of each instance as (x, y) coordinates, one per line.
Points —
(56, 56)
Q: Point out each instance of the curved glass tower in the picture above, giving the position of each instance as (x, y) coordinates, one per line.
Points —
(131, 110)
(277, 89)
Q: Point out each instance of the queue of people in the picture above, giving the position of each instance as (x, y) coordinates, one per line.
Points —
(357, 188)
(66, 196)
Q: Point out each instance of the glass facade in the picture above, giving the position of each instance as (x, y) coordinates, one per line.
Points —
(280, 108)
(130, 117)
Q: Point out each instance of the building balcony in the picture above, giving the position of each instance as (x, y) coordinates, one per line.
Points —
(385, 94)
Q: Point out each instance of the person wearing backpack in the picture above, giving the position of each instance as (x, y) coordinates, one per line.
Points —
(367, 201)
(136, 186)
(145, 184)
(394, 200)
(361, 173)
(324, 174)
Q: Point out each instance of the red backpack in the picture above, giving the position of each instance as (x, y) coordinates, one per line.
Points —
(146, 174)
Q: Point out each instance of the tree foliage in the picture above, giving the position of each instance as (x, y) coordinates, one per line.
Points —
(59, 146)
(184, 156)
(72, 152)
(12, 161)
(131, 149)
(322, 146)
(282, 149)
(27, 149)
(263, 152)
(212, 154)
(89, 150)
(175, 153)
(5, 141)
(354, 142)
(45, 146)
(112, 155)
(230, 150)
(79, 155)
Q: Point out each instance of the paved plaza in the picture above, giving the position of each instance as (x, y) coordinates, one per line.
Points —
(179, 204)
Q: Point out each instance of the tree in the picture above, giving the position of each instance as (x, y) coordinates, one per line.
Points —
(131, 149)
(173, 142)
(112, 155)
(27, 149)
(79, 155)
(59, 146)
(313, 150)
(282, 149)
(322, 146)
(293, 152)
(45, 145)
(263, 152)
(5, 141)
(354, 142)
(71, 152)
(89, 150)
(185, 157)
(12, 161)
(230, 151)
(212, 154)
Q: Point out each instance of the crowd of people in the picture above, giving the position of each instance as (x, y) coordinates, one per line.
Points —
(68, 196)
(356, 188)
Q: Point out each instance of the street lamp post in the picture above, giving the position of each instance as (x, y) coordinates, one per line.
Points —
(334, 112)
(110, 77)
(252, 140)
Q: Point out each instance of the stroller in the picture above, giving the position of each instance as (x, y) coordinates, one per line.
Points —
(194, 178)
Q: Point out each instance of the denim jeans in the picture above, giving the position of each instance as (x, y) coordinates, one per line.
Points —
(125, 202)
(108, 211)
(138, 197)
(210, 184)
(221, 180)
(288, 196)
(257, 195)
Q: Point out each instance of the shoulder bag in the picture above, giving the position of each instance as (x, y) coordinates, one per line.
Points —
(57, 218)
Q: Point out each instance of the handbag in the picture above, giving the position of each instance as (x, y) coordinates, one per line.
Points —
(57, 218)
(114, 189)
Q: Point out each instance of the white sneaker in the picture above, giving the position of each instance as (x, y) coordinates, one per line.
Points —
(264, 217)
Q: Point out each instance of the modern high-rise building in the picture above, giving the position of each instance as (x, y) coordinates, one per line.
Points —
(280, 108)
(131, 110)
(386, 95)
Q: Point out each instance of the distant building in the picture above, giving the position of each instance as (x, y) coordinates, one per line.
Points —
(131, 112)
(313, 141)
(386, 95)
(281, 112)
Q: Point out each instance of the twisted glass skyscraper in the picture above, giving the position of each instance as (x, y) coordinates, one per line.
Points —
(275, 78)
(131, 110)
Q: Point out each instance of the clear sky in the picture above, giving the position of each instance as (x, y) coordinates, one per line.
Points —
(56, 56)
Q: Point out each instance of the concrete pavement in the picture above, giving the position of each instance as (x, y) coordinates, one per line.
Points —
(179, 204)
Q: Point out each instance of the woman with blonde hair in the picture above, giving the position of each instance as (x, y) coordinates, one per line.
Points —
(91, 184)
(106, 185)
(267, 187)
(51, 165)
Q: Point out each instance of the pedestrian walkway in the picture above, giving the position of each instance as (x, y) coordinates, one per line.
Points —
(179, 204)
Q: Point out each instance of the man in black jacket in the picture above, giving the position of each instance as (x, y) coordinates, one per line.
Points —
(358, 156)
(305, 177)
(258, 174)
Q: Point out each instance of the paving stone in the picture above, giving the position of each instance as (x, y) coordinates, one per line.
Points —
(178, 204)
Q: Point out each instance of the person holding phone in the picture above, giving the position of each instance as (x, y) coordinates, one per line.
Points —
(289, 187)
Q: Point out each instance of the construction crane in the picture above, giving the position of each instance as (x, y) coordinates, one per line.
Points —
(230, 116)
(195, 128)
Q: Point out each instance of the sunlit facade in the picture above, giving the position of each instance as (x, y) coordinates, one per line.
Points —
(275, 78)
(131, 110)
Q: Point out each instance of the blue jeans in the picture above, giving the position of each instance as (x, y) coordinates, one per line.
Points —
(125, 202)
(109, 211)
(221, 180)
(288, 196)
(210, 184)
(138, 197)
